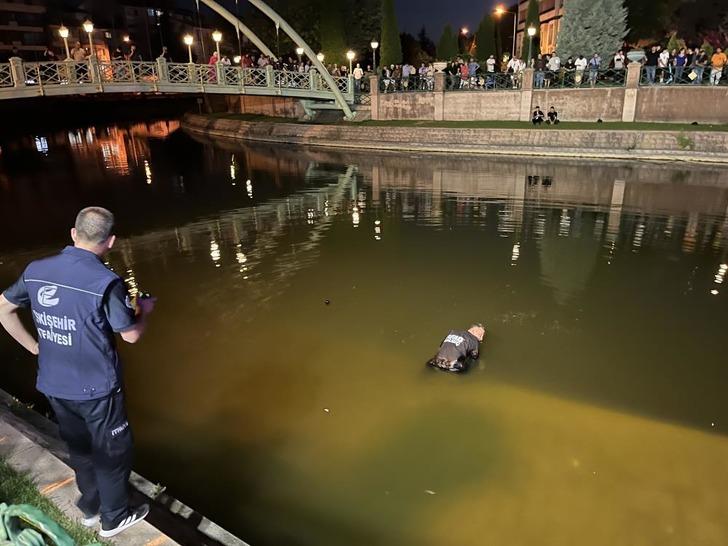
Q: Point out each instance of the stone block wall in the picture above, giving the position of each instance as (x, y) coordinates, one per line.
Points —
(683, 103)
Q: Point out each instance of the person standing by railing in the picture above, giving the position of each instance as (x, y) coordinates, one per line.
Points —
(358, 75)
(554, 69)
(651, 61)
(681, 61)
(595, 64)
(717, 64)
(700, 61)
(540, 66)
(580, 65)
(663, 63)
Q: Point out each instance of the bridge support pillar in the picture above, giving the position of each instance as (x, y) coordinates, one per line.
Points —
(162, 73)
(313, 80)
(374, 96)
(629, 109)
(18, 72)
(270, 77)
(94, 74)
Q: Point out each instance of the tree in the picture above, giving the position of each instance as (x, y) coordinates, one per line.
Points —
(675, 43)
(427, 45)
(650, 19)
(485, 37)
(447, 47)
(391, 44)
(592, 26)
(333, 44)
(532, 20)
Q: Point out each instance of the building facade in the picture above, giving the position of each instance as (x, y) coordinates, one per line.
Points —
(551, 12)
(22, 28)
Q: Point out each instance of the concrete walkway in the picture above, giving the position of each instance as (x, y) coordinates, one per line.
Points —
(29, 443)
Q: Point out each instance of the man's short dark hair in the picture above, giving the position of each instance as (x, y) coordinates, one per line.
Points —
(94, 225)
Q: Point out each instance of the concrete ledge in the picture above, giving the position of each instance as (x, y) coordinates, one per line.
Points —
(30, 444)
(695, 146)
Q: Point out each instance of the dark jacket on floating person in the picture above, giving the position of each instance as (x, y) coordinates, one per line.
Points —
(458, 348)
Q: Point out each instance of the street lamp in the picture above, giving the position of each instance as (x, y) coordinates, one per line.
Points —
(500, 10)
(88, 26)
(321, 57)
(216, 37)
(531, 33)
(350, 55)
(464, 30)
(188, 40)
(299, 52)
(126, 39)
(237, 59)
(63, 33)
(374, 45)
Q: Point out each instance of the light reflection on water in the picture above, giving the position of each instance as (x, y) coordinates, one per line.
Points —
(596, 415)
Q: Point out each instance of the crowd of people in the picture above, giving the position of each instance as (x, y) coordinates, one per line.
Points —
(661, 66)
(686, 65)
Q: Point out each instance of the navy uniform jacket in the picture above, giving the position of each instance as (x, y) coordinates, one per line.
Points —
(77, 305)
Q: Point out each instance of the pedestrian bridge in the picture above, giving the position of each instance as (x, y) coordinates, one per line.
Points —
(22, 80)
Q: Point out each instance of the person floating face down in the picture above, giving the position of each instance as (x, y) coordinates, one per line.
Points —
(458, 349)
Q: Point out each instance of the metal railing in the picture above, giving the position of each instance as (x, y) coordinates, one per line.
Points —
(683, 75)
(67, 77)
(487, 81)
(6, 75)
(576, 79)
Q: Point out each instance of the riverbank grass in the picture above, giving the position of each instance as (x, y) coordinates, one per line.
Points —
(563, 126)
(16, 488)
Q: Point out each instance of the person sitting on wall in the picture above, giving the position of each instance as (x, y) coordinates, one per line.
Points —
(538, 116)
(458, 349)
(553, 116)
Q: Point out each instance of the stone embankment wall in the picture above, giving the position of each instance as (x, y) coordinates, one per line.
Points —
(605, 144)
(674, 103)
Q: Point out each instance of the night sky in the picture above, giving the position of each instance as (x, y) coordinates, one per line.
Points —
(435, 14)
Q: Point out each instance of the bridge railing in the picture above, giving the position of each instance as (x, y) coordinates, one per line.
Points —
(6, 75)
(66, 77)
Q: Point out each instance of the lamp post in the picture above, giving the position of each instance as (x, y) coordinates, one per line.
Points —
(350, 55)
(237, 59)
(374, 45)
(63, 33)
(321, 57)
(217, 37)
(88, 26)
(188, 40)
(299, 52)
(126, 39)
(500, 10)
(531, 33)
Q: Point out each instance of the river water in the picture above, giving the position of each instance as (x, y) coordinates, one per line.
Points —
(596, 414)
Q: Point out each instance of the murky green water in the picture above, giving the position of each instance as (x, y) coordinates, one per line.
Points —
(596, 415)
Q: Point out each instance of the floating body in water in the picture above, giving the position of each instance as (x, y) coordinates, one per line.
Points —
(458, 349)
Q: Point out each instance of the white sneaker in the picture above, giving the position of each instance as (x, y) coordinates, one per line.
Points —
(91, 521)
(134, 517)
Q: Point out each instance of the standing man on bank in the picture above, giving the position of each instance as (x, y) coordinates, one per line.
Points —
(77, 306)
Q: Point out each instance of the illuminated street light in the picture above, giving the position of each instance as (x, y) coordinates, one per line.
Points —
(350, 55)
(531, 33)
(464, 30)
(237, 59)
(217, 37)
(126, 39)
(374, 45)
(299, 52)
(321, 57)
(500, 11)
(88, 26)
(63, 33)
(188, 40)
